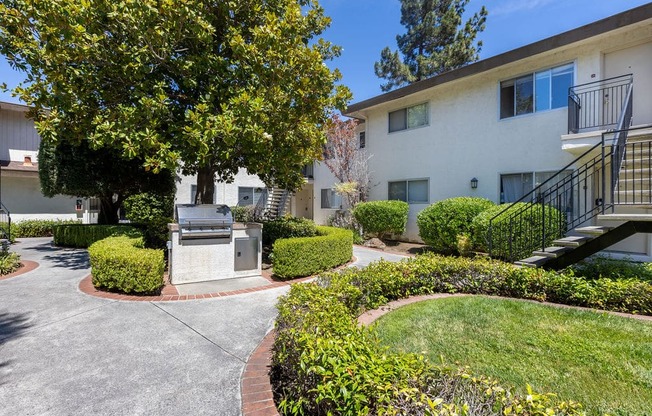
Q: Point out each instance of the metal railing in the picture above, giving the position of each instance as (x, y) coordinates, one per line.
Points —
(261, 205)
(5, 222)
(598, 104)
(308, 171)
(567, 200)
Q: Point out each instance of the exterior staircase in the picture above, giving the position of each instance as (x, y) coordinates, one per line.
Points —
(273, 203)
(615, 173)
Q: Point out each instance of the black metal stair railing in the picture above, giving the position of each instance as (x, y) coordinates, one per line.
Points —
(598, 104)
(5, 222)
(566, 200)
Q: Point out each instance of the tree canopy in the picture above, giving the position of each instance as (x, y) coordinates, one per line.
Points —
(78, 170)
(213, 85)
(435, 42)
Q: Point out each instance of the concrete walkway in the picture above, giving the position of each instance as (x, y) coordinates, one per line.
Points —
(63, 352)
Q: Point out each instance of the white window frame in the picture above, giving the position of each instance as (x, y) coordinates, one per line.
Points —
(533, 184)
(252, 196)
(533, 74)
(406, 109)
(407, 190)
(336, 200)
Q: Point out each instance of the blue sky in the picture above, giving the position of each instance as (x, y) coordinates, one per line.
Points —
(364, 27)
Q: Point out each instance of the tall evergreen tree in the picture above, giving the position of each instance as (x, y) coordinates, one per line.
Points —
(435, 41)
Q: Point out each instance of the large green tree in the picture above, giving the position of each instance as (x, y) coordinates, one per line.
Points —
(216, 85)
(435, 41)
(78, 170)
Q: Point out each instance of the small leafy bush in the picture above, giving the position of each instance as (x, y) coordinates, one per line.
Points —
(381, 218)
(9, 263)
(121, 263)
(83, 235)
(287, 227)
(243, 213)
(37, 228)
(515, 240)
(305, 256)
(441, 223)
(147, 207)
(598, 267)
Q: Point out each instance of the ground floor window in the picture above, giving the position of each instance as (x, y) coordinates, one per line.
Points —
(414, 191)
(514, 186)
(330, 199)
(248, 195)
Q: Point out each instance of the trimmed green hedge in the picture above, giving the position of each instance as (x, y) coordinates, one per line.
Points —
(121, 263)
(288, 227)
(305, 256)
(444, 222)
(521, 235)
(323, 363)
(83, 235)
(382, 217)
(37, 228)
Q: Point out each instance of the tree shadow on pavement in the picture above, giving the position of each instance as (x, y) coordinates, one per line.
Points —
(12, 325)
(69, 258)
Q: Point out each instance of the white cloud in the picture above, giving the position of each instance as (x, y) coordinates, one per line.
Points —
(513, 6)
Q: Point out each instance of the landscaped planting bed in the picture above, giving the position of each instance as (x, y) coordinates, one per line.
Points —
(323, 363)
(83, 235)
(601, 360)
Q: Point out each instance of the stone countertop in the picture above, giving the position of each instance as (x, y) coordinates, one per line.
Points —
(236, 226)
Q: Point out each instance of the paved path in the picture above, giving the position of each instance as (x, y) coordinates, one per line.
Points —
(63, 352)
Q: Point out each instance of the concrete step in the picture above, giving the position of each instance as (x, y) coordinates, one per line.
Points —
(534, 261)
(593, 230)
(625, 217)
(636, 172)
(552, 252)
(572, 241)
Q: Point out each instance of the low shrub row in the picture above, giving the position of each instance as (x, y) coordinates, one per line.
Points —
(323, 363)
(37, 228)
(287, 227)
(305, 256)
(245, 213)
(599, 266)
(121, 263)
(83, 235)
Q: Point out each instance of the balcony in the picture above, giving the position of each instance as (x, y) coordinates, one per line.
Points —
(595, 108)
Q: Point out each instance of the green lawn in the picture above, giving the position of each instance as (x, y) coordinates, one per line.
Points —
(600, 360)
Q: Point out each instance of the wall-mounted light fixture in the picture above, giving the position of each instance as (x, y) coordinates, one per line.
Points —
(474, 183)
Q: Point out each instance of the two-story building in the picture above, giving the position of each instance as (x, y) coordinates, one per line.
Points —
(20, 189)
(499, 127)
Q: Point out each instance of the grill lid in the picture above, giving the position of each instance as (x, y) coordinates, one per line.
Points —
(206, 214)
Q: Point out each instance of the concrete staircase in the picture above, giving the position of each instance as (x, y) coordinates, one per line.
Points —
(278, 201)
(633, 189)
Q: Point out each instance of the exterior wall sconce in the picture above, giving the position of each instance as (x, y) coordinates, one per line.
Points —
(474, 183)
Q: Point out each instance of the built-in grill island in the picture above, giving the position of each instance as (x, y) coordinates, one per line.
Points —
(205, 244)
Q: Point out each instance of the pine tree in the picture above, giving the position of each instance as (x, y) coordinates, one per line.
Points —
(435, 41)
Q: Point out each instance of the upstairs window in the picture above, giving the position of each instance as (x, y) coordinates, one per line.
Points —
(363, 140)
(540, 91)
(408, 118)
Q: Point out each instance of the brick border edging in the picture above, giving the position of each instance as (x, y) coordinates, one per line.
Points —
(369, 317)
(256, 388)
(170, 293)
(256, 394)
(26, 266)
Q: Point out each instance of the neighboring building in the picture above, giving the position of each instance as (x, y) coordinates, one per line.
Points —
(20, 190)
(505, 120)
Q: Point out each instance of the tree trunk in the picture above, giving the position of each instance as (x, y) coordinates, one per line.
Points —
(108, 211)
(205, 186)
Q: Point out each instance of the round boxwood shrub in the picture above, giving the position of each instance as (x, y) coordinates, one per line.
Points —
(517, 240)
(381, 218)
(287, 227)
(444, 222)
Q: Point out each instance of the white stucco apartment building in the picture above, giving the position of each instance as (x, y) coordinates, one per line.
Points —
(20, 189)
(505, 120)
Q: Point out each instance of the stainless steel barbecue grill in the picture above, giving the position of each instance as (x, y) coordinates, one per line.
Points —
(204, 221)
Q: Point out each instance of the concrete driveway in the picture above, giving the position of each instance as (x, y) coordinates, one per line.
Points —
(63, 352)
